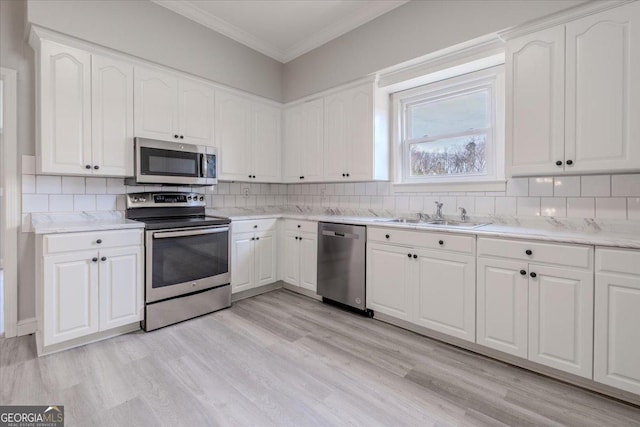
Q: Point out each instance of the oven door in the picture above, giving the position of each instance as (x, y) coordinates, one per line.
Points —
(164, 162)
(181, 261)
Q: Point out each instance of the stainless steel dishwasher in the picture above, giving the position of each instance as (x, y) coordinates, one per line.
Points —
(341, 264)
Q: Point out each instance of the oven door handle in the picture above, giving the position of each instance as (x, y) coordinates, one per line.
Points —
(169, 234)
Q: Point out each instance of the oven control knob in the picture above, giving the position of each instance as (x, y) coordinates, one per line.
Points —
(201, 198)
(142, 199)
(189, 198)
(136, 200)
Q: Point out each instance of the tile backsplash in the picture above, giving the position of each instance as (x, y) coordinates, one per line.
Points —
(595, 196)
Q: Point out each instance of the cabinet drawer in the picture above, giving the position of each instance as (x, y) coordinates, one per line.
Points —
(423, 239)
(253, 225)
(549, 253)
(67, 242)
(302, 226)
(618, 261)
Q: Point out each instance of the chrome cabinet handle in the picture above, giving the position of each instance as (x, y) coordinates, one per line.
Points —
(104, 258)
(94, 259)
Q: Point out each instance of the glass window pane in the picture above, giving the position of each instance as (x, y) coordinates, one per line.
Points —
(449, 156)
(460, 113)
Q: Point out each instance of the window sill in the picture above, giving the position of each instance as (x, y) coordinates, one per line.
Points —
(432, 187)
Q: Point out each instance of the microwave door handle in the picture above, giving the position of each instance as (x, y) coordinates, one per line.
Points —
(203, 165)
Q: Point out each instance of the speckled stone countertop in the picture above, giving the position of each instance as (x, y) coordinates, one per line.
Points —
(623, 234)
(81, 221)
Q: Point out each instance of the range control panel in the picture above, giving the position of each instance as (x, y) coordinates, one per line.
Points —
(168, 199)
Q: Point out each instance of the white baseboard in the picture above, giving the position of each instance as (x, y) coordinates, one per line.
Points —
(26, 326)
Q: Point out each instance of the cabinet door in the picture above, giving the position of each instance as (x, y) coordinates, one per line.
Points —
(561, 319)
(265, 258)
(292, 150)
(242, 262)
(155, 105)
(309, 261)
(112, 116)
(359, 150)
(390, 273)
(232, 134)
(535, 102)
(446, 300)
(311, 141)
(195, 112)
(603, 91)
(121, 286)
(265, 142)
(617, 336)
(291, 261)
(335, 136)
(70, 296)
(502, 305)
(65, 110)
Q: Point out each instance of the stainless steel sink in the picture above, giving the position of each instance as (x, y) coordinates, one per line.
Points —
(406, 221)
(436, 222)
(453, 223)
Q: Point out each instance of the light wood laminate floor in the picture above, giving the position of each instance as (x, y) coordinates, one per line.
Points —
(281, 359)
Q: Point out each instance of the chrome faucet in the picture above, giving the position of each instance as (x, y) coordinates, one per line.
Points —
(439, 210)
(422, 217)
(463, 214)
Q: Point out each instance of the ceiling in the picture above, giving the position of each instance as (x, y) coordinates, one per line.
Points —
(281, 29)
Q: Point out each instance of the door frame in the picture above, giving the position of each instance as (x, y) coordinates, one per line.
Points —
(10, 215)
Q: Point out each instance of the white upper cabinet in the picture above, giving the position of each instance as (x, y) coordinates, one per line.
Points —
(535, 108)
(195, 112)
(603, 91)
(156, 109)
(172, 108)
(248, 137)
(356, 144)
(64, 110)
(85, 122)
(111, 116)
(572, 96)
(303, 142)
(265, 142)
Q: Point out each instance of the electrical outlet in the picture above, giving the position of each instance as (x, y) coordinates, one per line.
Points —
(245, 188)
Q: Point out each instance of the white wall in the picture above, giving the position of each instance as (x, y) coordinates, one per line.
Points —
(410, 31)
(152, 32)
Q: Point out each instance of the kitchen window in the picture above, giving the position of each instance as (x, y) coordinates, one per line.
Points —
(450, 133)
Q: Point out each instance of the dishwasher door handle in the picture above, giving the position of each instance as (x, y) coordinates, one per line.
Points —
(339, 234)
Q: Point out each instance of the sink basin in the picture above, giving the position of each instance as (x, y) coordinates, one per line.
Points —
(406, 221)
(453, 223)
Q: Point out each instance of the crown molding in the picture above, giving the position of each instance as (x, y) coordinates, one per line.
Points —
(562, 17)
(191, 10)
(341, 27)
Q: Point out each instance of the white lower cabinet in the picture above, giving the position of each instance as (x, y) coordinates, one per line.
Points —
(536, 311)
(121, 296)
(389, 280)
(84, 288)
(433, 288)
(253, 254)
(300, 254)
(70, 296)
(447, 293)
(502, 306)
(617, 319)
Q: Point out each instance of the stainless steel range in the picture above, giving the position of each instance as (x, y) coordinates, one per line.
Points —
(187, 257)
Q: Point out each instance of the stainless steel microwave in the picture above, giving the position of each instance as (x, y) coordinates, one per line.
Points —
(173, 163)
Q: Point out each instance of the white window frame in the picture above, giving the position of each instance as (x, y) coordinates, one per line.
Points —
(494, 180)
